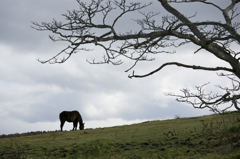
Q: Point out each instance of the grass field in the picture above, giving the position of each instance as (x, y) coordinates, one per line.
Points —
(213, 136)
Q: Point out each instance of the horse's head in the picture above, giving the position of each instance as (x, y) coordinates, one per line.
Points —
(81, 127)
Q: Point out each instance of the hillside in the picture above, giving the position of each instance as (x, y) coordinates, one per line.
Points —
(213, 136)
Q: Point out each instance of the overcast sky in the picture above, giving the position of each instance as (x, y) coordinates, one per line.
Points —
(32, 94)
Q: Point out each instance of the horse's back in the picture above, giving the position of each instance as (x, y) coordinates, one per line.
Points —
(69, 116)
(75, 115)
(75, 112)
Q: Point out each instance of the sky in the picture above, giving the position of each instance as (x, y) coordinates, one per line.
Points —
(33, 94)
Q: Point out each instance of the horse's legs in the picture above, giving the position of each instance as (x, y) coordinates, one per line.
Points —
(75, 125)
(61, 125)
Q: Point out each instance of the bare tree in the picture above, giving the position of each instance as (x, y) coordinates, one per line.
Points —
(175, 30)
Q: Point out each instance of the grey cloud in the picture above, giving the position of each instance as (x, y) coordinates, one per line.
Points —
(35, 94)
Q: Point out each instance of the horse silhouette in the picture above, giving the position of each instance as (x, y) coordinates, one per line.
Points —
(71, 116)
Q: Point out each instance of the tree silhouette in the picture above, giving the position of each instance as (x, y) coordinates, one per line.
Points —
(155, 37)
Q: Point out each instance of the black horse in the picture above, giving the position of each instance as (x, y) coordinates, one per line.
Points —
(71, 116)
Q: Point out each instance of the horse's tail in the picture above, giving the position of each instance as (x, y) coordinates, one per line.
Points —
(61, 115)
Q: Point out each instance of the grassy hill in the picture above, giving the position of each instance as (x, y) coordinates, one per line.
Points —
(213, 136)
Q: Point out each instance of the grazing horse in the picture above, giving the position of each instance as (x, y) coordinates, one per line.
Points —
(71, 116)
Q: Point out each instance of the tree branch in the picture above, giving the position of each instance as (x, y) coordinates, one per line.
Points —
(182, 65)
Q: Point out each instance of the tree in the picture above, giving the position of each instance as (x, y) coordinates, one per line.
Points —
(175, 30)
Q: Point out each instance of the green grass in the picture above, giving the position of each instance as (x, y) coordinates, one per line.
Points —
(213, 136)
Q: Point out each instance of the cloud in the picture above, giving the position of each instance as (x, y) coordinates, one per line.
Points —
(32, 94)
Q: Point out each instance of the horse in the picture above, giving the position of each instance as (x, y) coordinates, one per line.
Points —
(71, 116)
